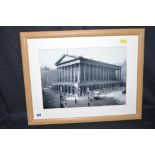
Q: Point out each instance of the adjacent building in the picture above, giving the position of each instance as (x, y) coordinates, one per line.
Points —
(79, 75)
(48, 76)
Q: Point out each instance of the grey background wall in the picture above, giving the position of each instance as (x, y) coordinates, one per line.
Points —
(12, 95)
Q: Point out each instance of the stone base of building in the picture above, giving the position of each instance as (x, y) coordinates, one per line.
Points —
(81, 89)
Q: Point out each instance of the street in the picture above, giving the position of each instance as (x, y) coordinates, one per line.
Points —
(110, 97)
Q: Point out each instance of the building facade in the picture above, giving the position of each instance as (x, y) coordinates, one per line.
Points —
(79, 75)
(48, 76)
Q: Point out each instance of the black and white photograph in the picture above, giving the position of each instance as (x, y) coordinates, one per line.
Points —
(83, 77)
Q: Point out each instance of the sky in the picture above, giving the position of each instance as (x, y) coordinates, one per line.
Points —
(112, 55)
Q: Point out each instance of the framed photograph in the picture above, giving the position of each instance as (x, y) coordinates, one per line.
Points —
(83, 75)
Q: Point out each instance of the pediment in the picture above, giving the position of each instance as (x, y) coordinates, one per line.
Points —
(66, 58)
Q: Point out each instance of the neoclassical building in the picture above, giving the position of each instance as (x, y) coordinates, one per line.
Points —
(79, 75)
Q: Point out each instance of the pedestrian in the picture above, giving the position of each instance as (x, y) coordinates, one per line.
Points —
(91, 99)
(61, 101)
(65, 101)
(88, 101)
(75, 101)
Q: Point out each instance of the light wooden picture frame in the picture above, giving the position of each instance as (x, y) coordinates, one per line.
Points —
(39, 48)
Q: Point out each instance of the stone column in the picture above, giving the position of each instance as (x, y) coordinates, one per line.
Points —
(86, 69)
(117, 74)
(71, 73)
(75, 72)
(89, 72)
(107, 73)
(62, 74)
(78, 72)
(84, 73)
(92, 73)
(95, 72)
(68, 73)
(65, 73)
(99, 73)
(81, 74)
(59, 74)
(113, 74)
(102, 71)
(110, 74)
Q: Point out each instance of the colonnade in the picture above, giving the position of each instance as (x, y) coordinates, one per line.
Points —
(68, 73)
(87, 72)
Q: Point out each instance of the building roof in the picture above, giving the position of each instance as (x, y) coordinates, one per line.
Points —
(69, 58)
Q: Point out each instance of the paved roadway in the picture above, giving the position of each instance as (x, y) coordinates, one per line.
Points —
(111, 97)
